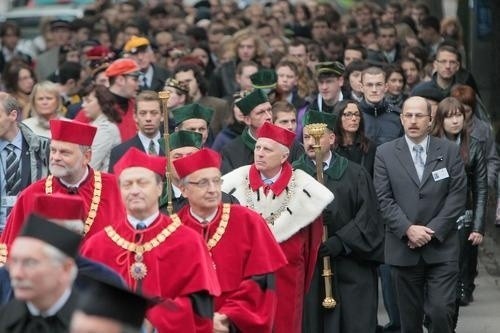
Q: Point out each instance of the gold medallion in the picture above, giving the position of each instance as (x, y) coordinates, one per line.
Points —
(138, 270)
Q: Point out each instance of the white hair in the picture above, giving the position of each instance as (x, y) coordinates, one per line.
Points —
(59, 257)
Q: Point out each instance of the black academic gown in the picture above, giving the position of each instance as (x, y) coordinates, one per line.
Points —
(15, 318)
(355, 235)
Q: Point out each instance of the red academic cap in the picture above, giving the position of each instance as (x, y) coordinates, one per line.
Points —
(59, 206)
(276, 133)
(204, 158)
(122, 67)
(72, 131)
(98, 52)
(136, 158)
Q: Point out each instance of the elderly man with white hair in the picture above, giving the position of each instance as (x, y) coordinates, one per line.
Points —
(42, 269)
(291, 202)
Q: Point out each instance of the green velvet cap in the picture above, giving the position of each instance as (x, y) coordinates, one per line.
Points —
(250, 101)
(315, 117)
(179, 139)
(264, 79)
(329, 68)
(192, 111)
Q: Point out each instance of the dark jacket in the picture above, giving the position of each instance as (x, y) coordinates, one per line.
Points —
(223, 80)
(15, 318)
(382, 121)
(477, 185)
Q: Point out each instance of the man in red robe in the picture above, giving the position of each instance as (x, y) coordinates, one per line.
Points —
(70, 152)
(243, 250)
(156, 255)
(290, 201)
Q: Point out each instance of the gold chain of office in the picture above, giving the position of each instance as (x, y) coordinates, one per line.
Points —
(290, 191)
(138, 269)
(96, 198)
(221, 228)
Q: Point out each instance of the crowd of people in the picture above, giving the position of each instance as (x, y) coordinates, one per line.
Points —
(229, 167)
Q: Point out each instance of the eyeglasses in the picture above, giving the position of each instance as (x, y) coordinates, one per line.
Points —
(205, 182)
(350, 115)
(448, 62)
(418, 116)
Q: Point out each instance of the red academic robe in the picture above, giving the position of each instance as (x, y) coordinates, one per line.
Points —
(109, 209)
(177, 267)
(295, 228)
(127, 126)
(301, 249)
(247, 249)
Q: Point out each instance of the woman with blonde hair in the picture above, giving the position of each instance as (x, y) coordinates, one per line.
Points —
(247, 46)
(293, 84)
(45, 104)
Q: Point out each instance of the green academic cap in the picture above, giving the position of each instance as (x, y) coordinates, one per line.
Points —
(315, 117)
(329, 68)
(179, 139)
(264, 79)
(192, 111)
(250, 101)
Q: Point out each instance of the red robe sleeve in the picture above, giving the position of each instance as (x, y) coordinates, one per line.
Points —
(177, 315)
(246, 260)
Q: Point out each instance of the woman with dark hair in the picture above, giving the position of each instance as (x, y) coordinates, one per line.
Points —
(19, 80)
(449, 123)
(479, 129)
(352, 88)
(351, 141)
(396, 82)
(413, 73)
(235, 125)
(202, 52)
(98, 106)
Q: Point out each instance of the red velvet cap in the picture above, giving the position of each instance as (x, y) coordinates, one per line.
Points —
(122, 67)
(59, 206)
(72, 131)
(202, 159)
(98, 52)
(136, 158)
(276, 133)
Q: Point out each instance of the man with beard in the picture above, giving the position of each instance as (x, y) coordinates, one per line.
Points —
(70, 152)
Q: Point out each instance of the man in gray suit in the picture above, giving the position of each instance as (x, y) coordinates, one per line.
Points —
(421, 185)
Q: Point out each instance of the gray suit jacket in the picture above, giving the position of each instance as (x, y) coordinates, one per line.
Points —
(404, 200)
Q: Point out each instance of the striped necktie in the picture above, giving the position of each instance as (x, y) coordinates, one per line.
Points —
(152, 148)
(12, 171)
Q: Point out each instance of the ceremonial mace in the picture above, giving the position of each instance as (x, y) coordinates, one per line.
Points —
(317, 131)
(164, 97)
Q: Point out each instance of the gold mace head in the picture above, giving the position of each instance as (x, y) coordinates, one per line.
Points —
(316, 130)
(329, 303)
(164, 95)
